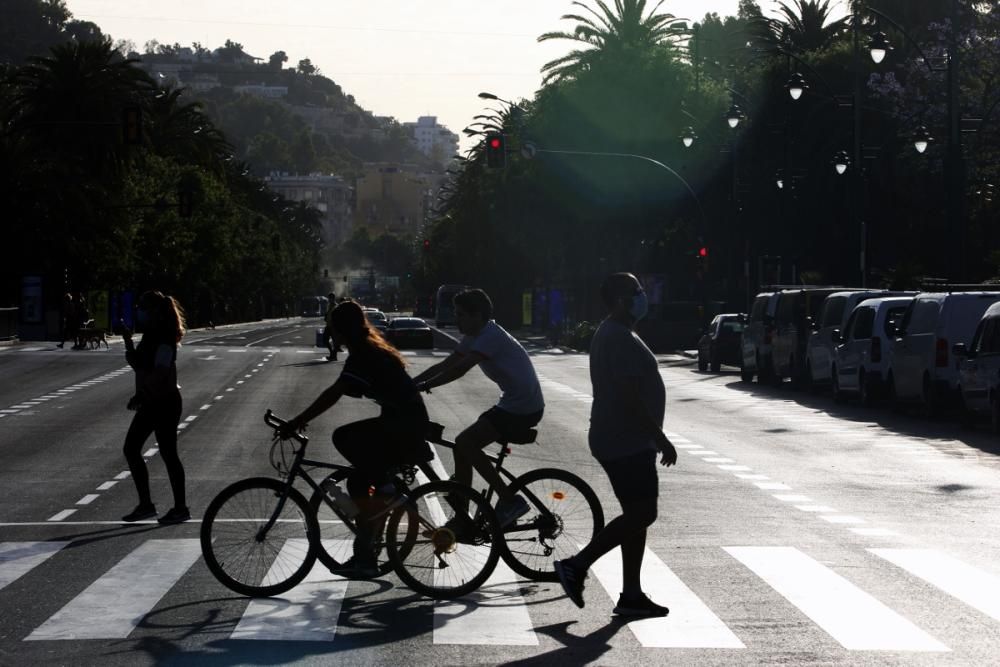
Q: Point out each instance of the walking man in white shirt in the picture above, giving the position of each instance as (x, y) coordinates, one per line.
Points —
(504, 361)
(626, 432)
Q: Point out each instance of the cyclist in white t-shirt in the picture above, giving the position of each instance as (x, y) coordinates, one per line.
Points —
(487, 345)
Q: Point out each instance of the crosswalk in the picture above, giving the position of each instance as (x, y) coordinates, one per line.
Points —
(115, 603)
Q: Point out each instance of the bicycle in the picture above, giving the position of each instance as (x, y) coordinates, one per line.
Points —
(565, 513)
(260, 537)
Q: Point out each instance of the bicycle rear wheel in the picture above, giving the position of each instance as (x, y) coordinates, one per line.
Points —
(244, 558)
(438, 552)
(565, 515)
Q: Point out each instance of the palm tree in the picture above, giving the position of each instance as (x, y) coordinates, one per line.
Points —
(184, 133)
(805, 26)
(610, 33)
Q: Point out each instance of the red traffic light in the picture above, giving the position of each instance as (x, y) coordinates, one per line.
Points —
(703, 251)
(496, 151)
(427, 244)
(495, 143)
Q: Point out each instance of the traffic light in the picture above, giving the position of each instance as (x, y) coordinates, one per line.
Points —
(703, 252)
(427, 245)
(185, 202)
(496, 151)
(132, 125)
(326, 273)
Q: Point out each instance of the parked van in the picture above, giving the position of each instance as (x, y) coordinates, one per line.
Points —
(836, 309)
(797, 313)
(979, 368)
(922, 367)
(755, 341)
(860, 366)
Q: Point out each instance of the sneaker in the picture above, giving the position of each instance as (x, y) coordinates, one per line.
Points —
(357, 568)
(571, 579)
(638, 607)
(509, 512)
(462, 527)
(140, 512)
(175, 515)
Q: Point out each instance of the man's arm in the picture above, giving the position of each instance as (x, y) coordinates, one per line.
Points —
(453, 367)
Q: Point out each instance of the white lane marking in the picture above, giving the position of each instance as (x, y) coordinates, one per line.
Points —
(691, 624)
(977, 588)
(152, 451)
(205, 407)
(87, 499)
(702, 452)
(61, 515)
(841, 518)
(237, 350)
(718, 459)
(690, 448)
(254, 370)
(191, 418)
(229, 388)
(181, 427)
(751, 476)
(112, 606)
(308, 612)
(125, 474)
(247, 376)
(858, 621)
(260, 364)
(106, 486)
(494, 615)
(815, 508)
(792, 498)
(874, 532)
(9, 411)
(218, 398)
(240, 381)
(440, 353)
(19, 558)
(772, 486)
(732, 468)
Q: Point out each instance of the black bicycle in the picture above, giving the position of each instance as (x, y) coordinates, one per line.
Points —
(260, 537)
(565, 514)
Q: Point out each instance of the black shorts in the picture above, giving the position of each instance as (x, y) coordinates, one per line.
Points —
(634, 477)
(509, 425)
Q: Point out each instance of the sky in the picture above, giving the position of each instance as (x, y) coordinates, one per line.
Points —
(400, 58)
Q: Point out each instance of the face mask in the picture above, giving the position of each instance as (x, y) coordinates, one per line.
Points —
(640, 306)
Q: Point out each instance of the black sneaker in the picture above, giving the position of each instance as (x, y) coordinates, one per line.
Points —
(357, 568)
(509, 512)
(463, 528)
(140, 512)
(639, 607)
(571, 579)
(175, 515)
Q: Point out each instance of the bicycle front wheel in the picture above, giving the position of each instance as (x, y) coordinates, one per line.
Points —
(565, 514)
(245, 555)
(450, 553)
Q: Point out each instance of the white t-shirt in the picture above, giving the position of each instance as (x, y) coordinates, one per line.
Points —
(507, 364)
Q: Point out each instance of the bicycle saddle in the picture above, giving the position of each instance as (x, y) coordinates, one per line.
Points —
(525, 437)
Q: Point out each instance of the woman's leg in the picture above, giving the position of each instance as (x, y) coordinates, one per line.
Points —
(140, 429)
(167, 417)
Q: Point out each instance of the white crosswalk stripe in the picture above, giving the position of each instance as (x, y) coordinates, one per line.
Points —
(497, 615)
(19, 558)
(112, 606)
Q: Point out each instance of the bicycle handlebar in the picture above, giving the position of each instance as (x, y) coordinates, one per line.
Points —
(278, 424)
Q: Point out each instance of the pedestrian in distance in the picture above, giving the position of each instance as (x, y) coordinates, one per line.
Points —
(81, 318)
(328, 340)
(157, 402)
(376, 370)
(504, 361)
(68, 321)
(626, 432)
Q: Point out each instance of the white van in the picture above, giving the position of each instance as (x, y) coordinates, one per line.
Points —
(922, 367)
(979, 368)
(755, 341)
(836, 309)
(860, 366)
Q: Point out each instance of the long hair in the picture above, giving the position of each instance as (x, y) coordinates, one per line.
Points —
(350, 322)
(167, 315)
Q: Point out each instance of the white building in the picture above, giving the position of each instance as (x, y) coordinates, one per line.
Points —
(433, 140)
(262, 90)
(327, 193)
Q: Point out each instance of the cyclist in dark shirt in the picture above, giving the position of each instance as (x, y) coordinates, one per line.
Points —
(374, 369)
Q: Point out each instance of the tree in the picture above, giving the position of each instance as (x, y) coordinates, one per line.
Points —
(277, 59)
(803, 27)
(30, 27)
(609, 33)
(306, 67)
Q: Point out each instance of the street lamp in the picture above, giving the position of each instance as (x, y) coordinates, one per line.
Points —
(878, 47)
(921, 138)
(841, 161)
(796, 86)
(688, 136)
(734, 115)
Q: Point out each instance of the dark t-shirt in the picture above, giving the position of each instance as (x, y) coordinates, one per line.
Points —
(376, 375)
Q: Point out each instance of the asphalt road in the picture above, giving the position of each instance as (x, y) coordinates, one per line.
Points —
(791, 531)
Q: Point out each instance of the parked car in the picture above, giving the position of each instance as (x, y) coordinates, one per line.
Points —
(979, 368)
(836, 309)
(409, 332)
(795, 316)
(922, 367)
(377, 318)
(755, 341)
(720, 344)
(860, 365)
